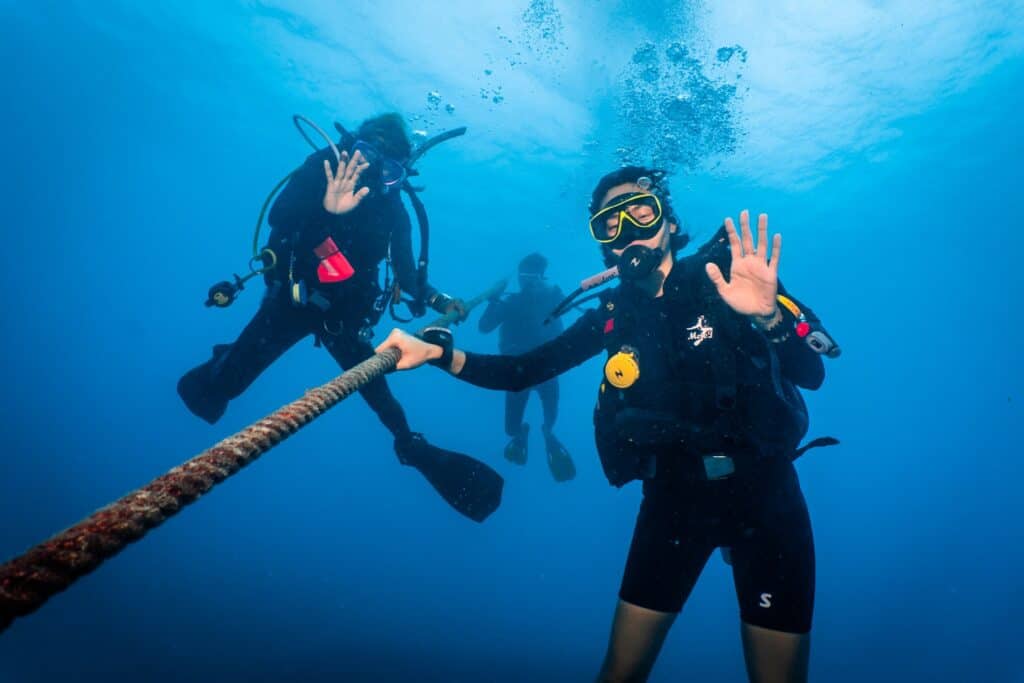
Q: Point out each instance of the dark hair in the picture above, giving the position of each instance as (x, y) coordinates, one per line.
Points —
(659, 187)
(387, 133)
(533, 263)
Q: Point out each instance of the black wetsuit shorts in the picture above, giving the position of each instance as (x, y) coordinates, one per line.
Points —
(759, 514)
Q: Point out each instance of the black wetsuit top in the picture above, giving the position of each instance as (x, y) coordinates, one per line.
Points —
(299, 223)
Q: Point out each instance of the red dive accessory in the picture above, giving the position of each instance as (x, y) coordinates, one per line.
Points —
(334, 267)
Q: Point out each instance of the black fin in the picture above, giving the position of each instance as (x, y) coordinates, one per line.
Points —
(559, 461)
(468, 485)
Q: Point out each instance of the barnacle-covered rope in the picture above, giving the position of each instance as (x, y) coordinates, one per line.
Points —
(28, 581)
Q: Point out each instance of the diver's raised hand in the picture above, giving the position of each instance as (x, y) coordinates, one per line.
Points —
(341, 195)
(414, 351)
(753, 277)
(499, 289)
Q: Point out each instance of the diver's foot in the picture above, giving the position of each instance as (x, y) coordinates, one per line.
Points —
(516, 449)
(559, 461)
(196, 395)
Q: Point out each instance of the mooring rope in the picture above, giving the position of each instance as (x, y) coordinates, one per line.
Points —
(28, 581)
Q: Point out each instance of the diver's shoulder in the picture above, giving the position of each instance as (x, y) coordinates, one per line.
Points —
(554, 293)
(714, 250)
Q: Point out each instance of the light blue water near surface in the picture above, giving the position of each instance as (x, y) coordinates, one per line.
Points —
(882, 138)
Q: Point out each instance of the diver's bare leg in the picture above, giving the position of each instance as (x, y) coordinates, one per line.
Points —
(775, 656)
(637, 636)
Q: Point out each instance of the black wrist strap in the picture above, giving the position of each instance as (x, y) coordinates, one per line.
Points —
(439, 302)
(781, 330)
(440, 336)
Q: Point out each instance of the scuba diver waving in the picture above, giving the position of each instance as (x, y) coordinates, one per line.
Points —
(519, 317)
(330, 230)
(700, 400)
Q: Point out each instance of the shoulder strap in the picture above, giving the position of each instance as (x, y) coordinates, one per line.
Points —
(724, 352)
(617, 324)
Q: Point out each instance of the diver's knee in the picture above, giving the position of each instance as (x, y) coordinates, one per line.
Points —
(775, 656)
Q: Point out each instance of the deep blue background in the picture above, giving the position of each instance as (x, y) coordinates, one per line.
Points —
(135, 163)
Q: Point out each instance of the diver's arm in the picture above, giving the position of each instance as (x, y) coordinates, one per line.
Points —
(407, 273)
(493, 316)
(580, 342)
(797, 361)
(401, 248)
(508, 373)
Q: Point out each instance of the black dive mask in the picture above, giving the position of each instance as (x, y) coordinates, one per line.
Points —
(639, 261)
(384, 173)
(627, 218)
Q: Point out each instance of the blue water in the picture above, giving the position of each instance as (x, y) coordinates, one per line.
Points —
(882, 138)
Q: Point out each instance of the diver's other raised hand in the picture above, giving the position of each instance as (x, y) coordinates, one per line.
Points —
(414, 351)
(341, 195)
(753, 277)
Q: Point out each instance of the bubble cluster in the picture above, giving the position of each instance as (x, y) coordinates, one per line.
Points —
(422, 123)
(646, 53)
(493, 94)
(434, 105)
(725, 54)
(537, 38)
(516, 58)
(674, 114)
(676, 52)
(542, 30)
